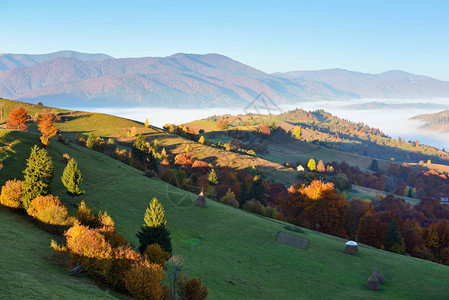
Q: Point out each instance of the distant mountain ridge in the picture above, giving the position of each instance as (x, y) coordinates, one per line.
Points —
(188, 80)
(74, 79)
(11, 61)
(390, 84)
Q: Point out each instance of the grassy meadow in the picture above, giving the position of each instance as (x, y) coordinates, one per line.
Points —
(232, 251)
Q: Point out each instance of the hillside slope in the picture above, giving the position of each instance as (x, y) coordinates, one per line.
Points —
(26, 271)
(234, 252)
(437, 121)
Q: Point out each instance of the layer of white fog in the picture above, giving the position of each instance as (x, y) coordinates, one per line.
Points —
(392, 121)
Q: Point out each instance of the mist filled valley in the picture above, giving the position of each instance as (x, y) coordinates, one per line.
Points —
(391, 116)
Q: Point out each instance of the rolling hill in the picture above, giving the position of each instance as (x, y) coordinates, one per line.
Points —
(437, 121)
(232, 251)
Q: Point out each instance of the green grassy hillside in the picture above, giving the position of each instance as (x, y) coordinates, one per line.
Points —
(26, 271)
(233, 252)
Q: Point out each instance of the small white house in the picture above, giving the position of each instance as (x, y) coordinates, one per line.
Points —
(300, 168)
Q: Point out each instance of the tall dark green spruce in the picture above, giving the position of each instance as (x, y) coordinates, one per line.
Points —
(243, 193)
(395, 242)
(154, 231)
(37, 175)
(257, 190)
(374, 165)
(72, 179)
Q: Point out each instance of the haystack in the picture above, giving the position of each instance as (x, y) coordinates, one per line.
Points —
(201, 200)
(372, 283)
(379, 276)
(351, 247)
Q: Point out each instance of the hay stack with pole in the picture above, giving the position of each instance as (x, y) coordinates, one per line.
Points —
(351, 247)
(201, 200)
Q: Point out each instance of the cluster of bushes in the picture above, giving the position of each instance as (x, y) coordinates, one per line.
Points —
(142, 156)
(94, 245)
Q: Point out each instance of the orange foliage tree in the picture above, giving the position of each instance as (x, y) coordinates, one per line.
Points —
(46, 127)
(265, 129)
(89, 248)
(143, 280)
(17, 119)
(183, 159)
(50, 210)
(319, 207)
(12, 193)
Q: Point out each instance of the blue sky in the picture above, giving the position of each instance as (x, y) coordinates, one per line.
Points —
(367, 36)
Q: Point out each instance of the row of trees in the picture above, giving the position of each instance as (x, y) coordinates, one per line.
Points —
(17, 121)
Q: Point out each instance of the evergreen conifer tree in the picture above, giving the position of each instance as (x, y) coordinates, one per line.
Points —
(374, 165)
(395, 242)
(257, 190)
(140, 149)
(243, 193)
(154, 231)
(37, 175)
(72, 179)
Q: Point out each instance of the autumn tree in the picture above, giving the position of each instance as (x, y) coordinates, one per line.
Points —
(265, 129)
(147, 123)
(37, 174)
(212, 177)
(17, 119)
(72, 179)
(154, 231)
(297, 132)
(222, 124)
(183, 159)
(191, 289)
(372, 231)
(12, 193)
(320, 167)
(46, 127)
(311, 165)
(201, 140)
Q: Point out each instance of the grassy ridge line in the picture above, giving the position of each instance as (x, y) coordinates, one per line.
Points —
(234, 252)
(111, 126)
(26, 271)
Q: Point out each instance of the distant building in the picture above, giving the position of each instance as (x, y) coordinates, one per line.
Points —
(444, 200)
(300, 168)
